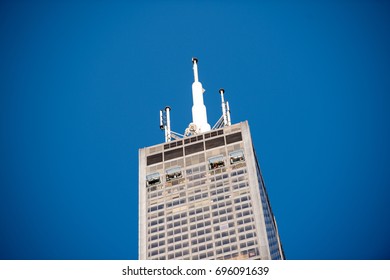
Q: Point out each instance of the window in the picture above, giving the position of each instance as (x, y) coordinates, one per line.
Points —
(236, 156)
(224, 226)
(173, 144)
(173, 173)
(168, 155)
(233, 138)
(213, 143)
(216, 162)
(154, 159)
(153, 179)
(194, 148)
(176, 202)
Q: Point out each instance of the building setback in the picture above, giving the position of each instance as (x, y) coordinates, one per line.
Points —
(203, 197)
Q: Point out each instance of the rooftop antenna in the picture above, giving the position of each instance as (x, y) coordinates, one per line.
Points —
(224, 120)
(199, 115)
(168, 135)
(165, 124)
(223, 104)
(229, 122)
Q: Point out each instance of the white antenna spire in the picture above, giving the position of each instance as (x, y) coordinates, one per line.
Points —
(199, 114)
(195, 66)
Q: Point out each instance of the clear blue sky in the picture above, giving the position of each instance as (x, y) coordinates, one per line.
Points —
(81, 84)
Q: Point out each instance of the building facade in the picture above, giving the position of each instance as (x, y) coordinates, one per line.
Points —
(203, 197)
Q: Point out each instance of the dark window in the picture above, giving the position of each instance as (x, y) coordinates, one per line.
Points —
(212, 143)
(173, 154)
(194, 148)
(235, 137)
(173, 144)
(154, 159)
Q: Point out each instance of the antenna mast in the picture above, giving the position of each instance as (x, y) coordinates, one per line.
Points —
(224, 120)
(199, 114)
(223, 104)
(165, 123)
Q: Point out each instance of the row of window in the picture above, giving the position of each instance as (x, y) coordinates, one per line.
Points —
(229, 255)
(220, 224)
(222, 246)
(226, 241)
(228, 210)
(191, 149)
(218, 202)
(200, 217)
(177, 244)
(195, 170)
(248, 244)
(226, 249)
(177, 224)
(202, 248)
(215, 162)
(178, 238)
(201, 240)
(196, 183)
(180, 192)
(157, 229)
(219, 208)
(183, 222)
(224, 234)
(183, 249)
(219, 177)
(156, 191)
(221, 203)
(219, 216)
(224, 218)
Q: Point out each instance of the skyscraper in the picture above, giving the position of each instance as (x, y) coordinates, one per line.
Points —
(202, 196)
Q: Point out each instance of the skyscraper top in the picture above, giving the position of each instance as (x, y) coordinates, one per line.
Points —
(199, 122)
(203, 197)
